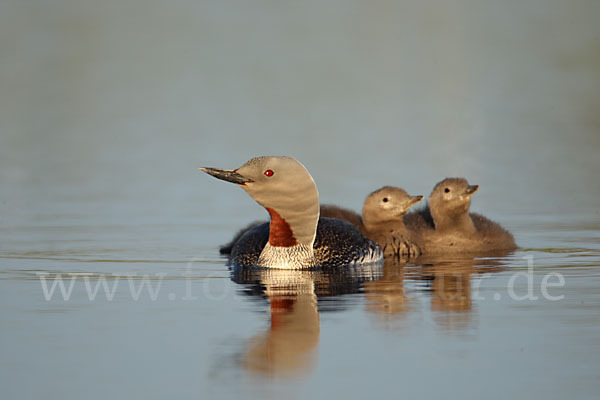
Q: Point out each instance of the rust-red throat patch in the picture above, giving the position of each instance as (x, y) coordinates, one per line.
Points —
(280, 233)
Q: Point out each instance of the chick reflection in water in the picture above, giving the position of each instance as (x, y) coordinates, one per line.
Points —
(385, 298)
(450, 285)
(289, 347)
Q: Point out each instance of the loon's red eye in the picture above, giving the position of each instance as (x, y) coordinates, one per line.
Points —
(269, 172)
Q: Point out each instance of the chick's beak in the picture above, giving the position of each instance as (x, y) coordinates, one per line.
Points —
(470, 190)
(414, 200)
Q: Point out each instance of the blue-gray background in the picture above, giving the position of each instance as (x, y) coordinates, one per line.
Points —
(108, 108)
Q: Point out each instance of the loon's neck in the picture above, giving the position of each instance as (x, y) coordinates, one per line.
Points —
(286, 248)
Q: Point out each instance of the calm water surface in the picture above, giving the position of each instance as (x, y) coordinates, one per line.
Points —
(108, 110)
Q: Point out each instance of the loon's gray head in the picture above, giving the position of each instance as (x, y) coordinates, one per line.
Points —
(387, 205)
(285, 188)
(449, 203)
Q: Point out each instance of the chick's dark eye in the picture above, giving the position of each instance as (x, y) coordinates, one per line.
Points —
(268, 172)
(446, 190)
(385, 199)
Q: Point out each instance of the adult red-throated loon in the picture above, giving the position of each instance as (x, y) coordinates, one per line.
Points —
(295, 237)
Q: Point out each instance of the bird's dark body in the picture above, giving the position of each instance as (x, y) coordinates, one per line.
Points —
(337, 243)
(327, 211)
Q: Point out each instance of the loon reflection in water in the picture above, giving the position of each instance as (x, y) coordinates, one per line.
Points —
(288, 347)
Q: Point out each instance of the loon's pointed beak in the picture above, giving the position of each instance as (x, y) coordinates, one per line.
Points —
(227, 175)
(470, 190)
